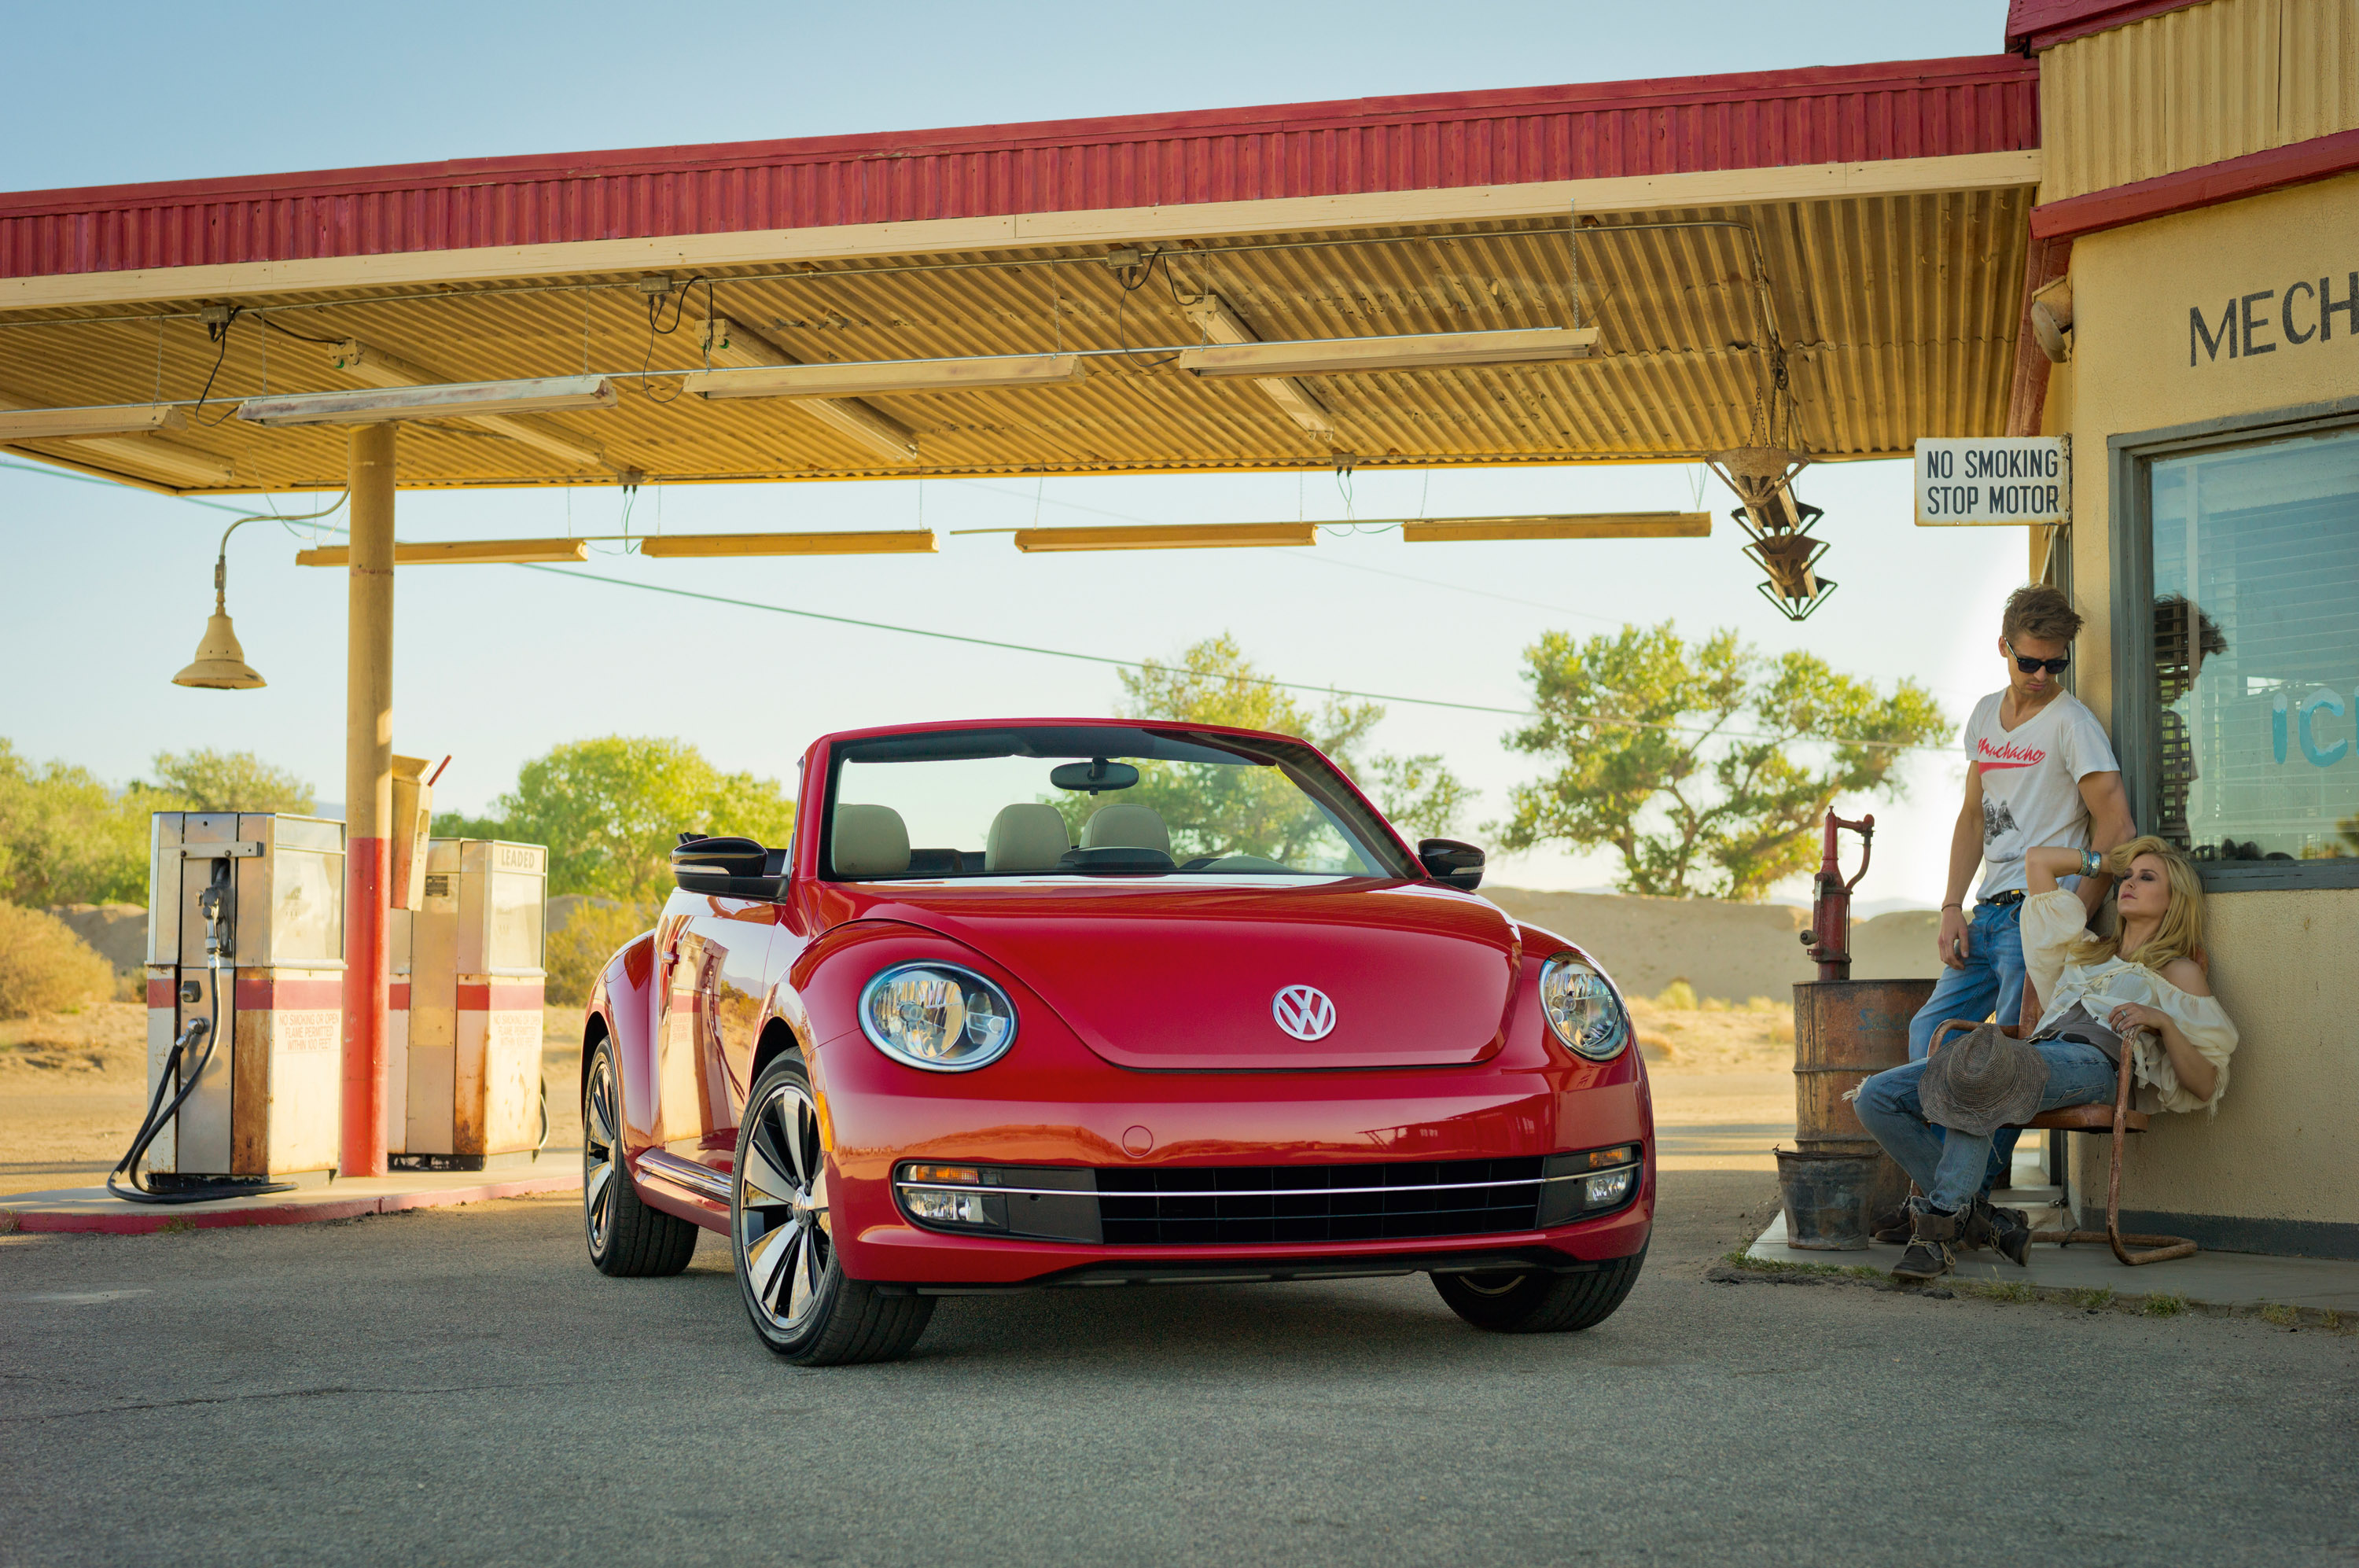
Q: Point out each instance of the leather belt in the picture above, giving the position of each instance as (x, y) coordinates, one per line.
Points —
(2000, 900)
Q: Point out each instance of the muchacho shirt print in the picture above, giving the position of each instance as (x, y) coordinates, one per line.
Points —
(2031, 782)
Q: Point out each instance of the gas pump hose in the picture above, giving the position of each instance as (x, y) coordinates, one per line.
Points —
(209, 1031)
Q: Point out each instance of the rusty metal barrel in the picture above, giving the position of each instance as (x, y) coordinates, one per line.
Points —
(1845, 1032)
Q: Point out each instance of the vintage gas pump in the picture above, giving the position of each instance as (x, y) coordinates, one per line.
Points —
(245, 957)
(464, 1088)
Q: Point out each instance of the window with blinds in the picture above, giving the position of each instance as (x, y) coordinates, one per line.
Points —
(2256, 648)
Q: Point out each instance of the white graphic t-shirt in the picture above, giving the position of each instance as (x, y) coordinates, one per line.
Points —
(2031, 782)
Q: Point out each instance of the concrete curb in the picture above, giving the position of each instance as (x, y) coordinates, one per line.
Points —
(93, 1210)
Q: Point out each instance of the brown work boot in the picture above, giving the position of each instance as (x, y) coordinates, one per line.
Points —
(1931, 1235)
(2006, 1232)
(1892, 1226)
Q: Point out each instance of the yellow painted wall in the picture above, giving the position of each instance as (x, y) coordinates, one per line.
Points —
(2195, 86)
(2285, 1142)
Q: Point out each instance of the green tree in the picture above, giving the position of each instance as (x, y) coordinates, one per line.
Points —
(1214, 810)
(66, 837)
(231, 782)
(1689, 760)
(610, 810)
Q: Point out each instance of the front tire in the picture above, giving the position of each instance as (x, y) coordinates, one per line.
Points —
(803, 1306)
(1538, 1302)
(627, 1238)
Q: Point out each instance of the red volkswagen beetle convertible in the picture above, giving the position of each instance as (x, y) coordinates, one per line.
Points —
(1081, 1002)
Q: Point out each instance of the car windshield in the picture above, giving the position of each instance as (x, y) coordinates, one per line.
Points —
(1029, 802)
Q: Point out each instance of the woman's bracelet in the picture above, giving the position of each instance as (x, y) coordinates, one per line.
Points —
(2092, 863)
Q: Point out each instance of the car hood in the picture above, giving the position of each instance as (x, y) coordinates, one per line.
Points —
(1186, 977)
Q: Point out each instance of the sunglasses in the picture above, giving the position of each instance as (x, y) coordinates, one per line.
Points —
(2053, 665)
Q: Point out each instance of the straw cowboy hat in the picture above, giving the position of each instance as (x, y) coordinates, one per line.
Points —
(1982, 1083)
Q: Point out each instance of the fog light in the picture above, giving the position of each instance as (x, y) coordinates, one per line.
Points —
(937, 1207)
(1607, 1188)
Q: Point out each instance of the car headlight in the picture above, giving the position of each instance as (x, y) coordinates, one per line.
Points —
(937, 1016)
(1582, 1009)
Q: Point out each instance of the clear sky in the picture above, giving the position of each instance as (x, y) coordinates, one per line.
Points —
(496, 664)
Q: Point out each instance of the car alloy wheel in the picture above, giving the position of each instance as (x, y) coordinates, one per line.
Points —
(803, 1306)
(627, 1237)
(599, 1154)
(781, 1222)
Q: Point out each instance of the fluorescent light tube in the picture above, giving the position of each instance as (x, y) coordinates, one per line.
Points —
(892, 541)
(731, 345)
(1221, 325)
(871, 378)
(457, 399)
(1181, 536)
(145, 456)
(1419, 351)
(1593, 525)
(457, 552)
(56, 424)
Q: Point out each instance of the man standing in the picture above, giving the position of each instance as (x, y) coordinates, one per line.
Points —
(2039, 771)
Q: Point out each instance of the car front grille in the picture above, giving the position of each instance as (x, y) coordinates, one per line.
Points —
(1243, 1204)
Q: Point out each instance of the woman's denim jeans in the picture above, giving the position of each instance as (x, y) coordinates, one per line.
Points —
(1947, 1164)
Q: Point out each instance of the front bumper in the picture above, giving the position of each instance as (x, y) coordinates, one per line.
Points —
(1084, 1115)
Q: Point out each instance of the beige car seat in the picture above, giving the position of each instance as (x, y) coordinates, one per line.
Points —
(1028, 836)
(1130, 827)
(869, 841)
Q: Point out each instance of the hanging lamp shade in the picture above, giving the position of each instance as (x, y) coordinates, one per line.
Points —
(219, 663)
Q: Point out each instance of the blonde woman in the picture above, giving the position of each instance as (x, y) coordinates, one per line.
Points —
(2144, 991)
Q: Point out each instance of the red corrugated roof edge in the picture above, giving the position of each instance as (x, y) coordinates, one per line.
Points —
(2036, 24)
(1820, 114)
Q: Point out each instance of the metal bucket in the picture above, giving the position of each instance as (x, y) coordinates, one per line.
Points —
(1828, 1196)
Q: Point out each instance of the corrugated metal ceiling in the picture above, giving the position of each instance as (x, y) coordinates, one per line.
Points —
(1898, 316)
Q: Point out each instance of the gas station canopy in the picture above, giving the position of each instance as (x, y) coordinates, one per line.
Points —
(1859, 232)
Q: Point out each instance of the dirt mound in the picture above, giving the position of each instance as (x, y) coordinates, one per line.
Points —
(108, 1039)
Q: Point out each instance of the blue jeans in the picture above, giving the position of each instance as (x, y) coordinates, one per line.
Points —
(1992, 982)
(1948, 1165)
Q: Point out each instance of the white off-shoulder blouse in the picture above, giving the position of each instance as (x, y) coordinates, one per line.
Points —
(2053, 922)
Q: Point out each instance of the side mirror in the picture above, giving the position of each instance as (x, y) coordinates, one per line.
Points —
(1447, 861)
(732, 867)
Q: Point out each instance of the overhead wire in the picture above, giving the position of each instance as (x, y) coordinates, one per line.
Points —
(1712, 732)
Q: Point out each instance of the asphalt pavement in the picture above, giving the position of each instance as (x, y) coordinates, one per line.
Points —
(459, 1387)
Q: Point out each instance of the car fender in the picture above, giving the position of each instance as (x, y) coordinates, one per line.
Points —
(622, 1009)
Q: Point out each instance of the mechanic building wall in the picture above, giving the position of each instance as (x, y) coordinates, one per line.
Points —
(2278, 1168)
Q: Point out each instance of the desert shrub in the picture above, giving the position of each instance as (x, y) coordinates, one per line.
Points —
(1761, 1005)
(577, 953)
(1715, 1004)
(44, 967)
(1679, 997)
(1781, 1031)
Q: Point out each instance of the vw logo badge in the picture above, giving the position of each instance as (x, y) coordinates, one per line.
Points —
(1304, 1012)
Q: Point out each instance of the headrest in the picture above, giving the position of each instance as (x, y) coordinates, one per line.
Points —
(1029, 837)
(1130, 827)
(870, 841)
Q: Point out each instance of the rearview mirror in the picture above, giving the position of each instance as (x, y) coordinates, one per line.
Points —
(1446, 860)
(1095, 775)
(732, 867)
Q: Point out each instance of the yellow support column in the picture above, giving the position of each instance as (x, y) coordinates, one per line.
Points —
(368, 796)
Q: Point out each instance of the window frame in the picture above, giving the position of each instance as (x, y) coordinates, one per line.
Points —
(2130, 460)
